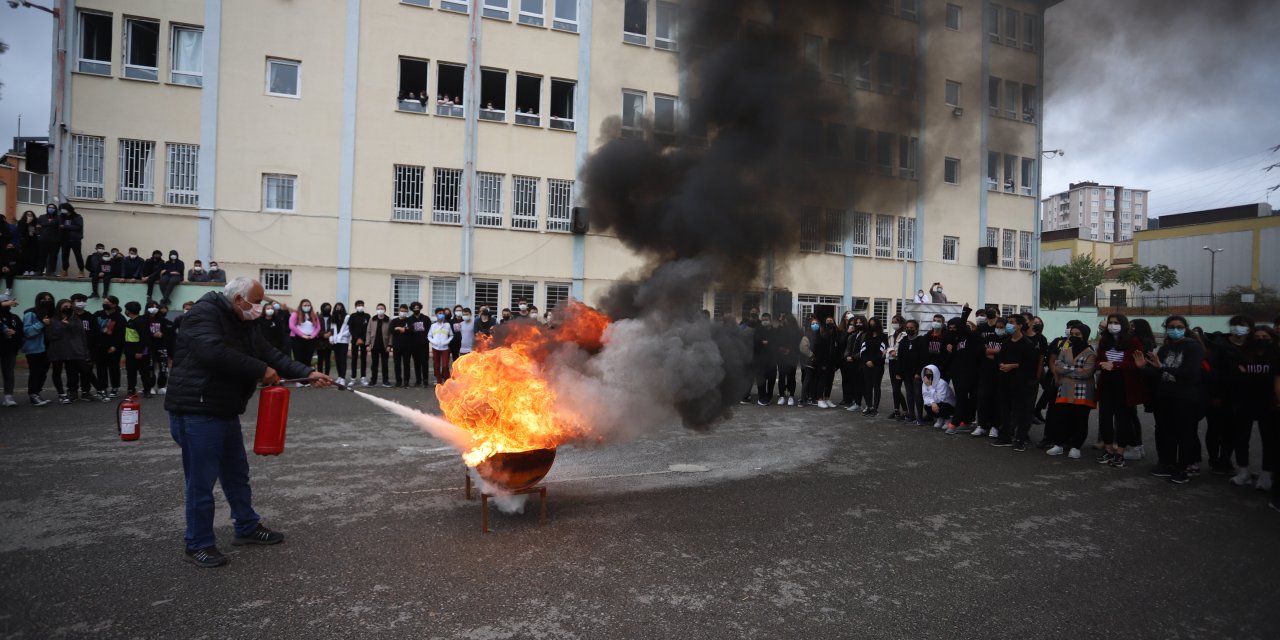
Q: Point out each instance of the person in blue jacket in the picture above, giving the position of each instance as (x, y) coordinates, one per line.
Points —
(34, 320)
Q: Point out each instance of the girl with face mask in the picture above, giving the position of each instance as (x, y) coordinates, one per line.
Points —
(304, 332)
(324, 348)
(1177, 374)
(786, 354)
(359, 323)
(439, 335)
(377, 338)
(455, 345)
(1074, 369)
(872, 350)
(340, 339)
(28, 240)
(1120, 389)
(896, 333)
(1253, 381)
(275, 327)
(34, 321)
(848, 343)
(68, 349)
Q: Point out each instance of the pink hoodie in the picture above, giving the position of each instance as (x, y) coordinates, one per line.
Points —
(295, 331)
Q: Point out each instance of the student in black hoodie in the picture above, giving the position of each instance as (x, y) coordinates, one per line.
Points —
(152, 269)
(28, 242)
(766, 367)
(111, 329)
(102, 267)
(990, 328)
(358, 323)
(931, 349)
(1255, 375)
(419, 327)
(50, 239)
(68, 350)
(377, 338)
(131, 266)
(324, 348)
(10, 261)
(72, 224)
(158, 339)
(93, 336)
(1018, 362)
(11, 338)
(275, 327)
(914, 413)
(968, 352)
(1176, 372)
(403, 348)
(872, 349)
(171, 275)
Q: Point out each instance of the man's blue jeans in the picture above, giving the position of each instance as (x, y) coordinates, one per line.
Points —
(213, 450)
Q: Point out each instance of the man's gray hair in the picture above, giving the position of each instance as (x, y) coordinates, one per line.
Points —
(239, 287)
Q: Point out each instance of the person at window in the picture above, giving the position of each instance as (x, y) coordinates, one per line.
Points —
(28, 240)
(359, 326)
(1074, 367)
(304, 331)
(936, 295)
(377, 338)
(275, 327)
(51, 236)
(440, 335)
(422, 99)
(402, 348)
(72, 225)
(159, 341)
(1008, 185)
(936, 396)
(11, 339)
(68, 349)
(324, 344)
(419, 327)
(197, 272)
(340, 339)
(131, 266)
(171, 275)
(872, 349)
(1177, 374)
(216, 275)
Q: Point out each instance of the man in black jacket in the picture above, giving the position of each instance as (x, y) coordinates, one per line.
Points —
(50, 239)
(220, 358)
(72, 224)
(111, 324)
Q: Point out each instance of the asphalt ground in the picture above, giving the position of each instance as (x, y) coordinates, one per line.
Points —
(780, 523)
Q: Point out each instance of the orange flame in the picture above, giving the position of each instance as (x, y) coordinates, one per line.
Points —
(501, 394)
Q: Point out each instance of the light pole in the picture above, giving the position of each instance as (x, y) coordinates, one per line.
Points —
(1213, 260)
(56, 124)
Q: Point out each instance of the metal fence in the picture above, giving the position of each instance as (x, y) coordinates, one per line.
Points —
(1218, 304)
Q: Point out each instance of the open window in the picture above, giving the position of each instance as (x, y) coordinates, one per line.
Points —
(95, 44)
(562, 97)
(493, 95)
(412, 95)
(884, 153)
(664, 119)
(186, 59)
(449, 93)
(632, 114)
(666, 27)
(141, 49)
(993, 171)
(993, 95)
(528, 100)
(635, 22)
(1029, 103)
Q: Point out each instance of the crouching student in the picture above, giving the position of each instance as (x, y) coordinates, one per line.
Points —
(1074, 368)
(939, 400)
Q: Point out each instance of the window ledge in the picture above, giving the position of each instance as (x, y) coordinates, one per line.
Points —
(574, 32)
(417, 113)
(90, 73)
(176, 84)
(282, 95)
(140, 80)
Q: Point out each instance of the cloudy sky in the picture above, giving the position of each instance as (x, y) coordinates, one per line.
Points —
(1178, 96)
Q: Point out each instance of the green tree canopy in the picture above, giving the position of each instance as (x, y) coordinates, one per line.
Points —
(1064, 284)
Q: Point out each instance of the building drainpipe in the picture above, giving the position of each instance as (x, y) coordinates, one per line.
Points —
(917, 252)
(1039, 162)
(60, 109)
(982, 179)
(207, 179)
(471, 114)
(347, 159)
(581, 111)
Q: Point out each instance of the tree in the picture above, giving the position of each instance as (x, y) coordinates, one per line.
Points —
(1064, 284)
(3, 48)
(1162, 277)
(1137, 278)
(1053, 286)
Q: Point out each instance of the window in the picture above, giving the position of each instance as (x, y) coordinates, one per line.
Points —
(524, 199)
(884, 153)
(750, 300)
(635, 21)
(485, 294)
(906, 156)
(1010, 99)
(884, 236)
(1029, 103)
(954, 12)
(664, 118)
(87, 168)
(521, 291)
(837, 58)
(1010, 166)
(407, 195)
(835, 232)
(182, 162)
(493, 95)
(950, 248)
(862, 146)
(906, 76)
(1007, 249)
(834, 141)
(444, 292)
(993, 238)
(1029, 32)
(993, 95)
(880, 310)
(528, 100)
(566, 18)
(951, 171)
(953, 94)
(33, 188)
(278, 192)
(909, 9)
(95, 44)
(413, 85)
(141, 49)
(887, 65)
(405, 290)
(277, 281)
(862, 68)
(418, 3)
(557, 293)
(721, 304)
(993, 24)
(562, 93)
(444, 203)
(809, 229)
(137, 166)
(488, 200)
(449, 89)
(455, 5)
(284, 78)
(906, 238)
(666, 27)
(1028, 177)
(531, 12)
(559, 205)
(632, 114)
(993, 171)
(1011, 21)
(862, 234)
(807, 302)
(500, 9)
(186, 59)
(812, 50)
(1024, 249)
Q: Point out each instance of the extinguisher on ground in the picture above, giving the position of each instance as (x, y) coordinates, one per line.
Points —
(129, 418)
(273, 415)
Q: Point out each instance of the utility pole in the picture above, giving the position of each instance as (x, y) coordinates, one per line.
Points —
(1213, 259)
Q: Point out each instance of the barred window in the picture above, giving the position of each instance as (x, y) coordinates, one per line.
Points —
(906, 238)
(907, 156)
(407, 195)
(277, 281)
(485, 294)
(137, 164)
(884, 236)
(721, 304)
(33, 188)
(809, 229)
(1024, 249)
(444, 292)
(522, 291)
(444, 206)
(89, 151)
(560, 205)
(557, 293)
(950, 248)
(861, 234)
(181, 171)
(1007, 248)
(524, 207)
(488, 199)
(880, 311)
(993, 236)
(278, 192)
(1007, 310)
(405, 290)
(835, 232)
(750, 300)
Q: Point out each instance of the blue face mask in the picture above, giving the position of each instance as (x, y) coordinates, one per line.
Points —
(1177, 334)
(440, 317)
(815, 326)
(1010, 328)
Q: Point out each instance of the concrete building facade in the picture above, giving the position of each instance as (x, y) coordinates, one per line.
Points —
(1108, 213)
(430, 149)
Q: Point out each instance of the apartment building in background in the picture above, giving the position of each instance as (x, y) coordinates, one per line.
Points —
(1107, 213)
(430, 149)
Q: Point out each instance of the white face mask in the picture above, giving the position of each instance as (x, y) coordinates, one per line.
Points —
(936, 326)
(981, 321)
(1114, 328)
(270, 311)
(382, 312)
(404, 314)
(79, 306)
(1236, 329)
(466, 317)
(153, 310)
(360, 309)
(896, 326)
(306, 308)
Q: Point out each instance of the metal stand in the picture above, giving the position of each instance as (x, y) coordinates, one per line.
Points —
(541, 490)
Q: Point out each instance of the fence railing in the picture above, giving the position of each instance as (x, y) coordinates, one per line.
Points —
(1218, 304)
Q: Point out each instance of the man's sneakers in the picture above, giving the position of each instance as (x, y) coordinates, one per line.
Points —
(207, 557)
(782, 401)
(1242, 478)
(10, 402)
(1055, 450)
(762, 403)
(1019, 445)
(994, 433)
(261, 535)
(1074, 454)
(64, 399)
(979, 432)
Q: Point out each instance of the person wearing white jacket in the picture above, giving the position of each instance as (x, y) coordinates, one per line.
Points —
(939, 399)
(340, 339)
(439, 336)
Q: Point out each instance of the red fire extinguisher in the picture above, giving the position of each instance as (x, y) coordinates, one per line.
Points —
(129, 418)
(273, 414)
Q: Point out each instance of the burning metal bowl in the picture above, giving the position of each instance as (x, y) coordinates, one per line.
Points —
(517, 471)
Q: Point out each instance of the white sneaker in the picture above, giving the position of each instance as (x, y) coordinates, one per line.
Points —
(939, 423)
(782, 400)
(1264, 481)
(791, 401)
(341, 382)
(1055, 450)
(851, 408)
(1242, 478)
(10, 402)
(822, 404)
(364, 380)
(162, 390)
(978, 432)
(1074, 454)
(995, 433)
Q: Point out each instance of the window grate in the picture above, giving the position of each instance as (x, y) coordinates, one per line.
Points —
(560, 205)
(522, 291)
(862, 234)
(835, 232)
(444, 292)
(1007, 248)
(488, 200)
(950, 248)
(277, 281)
(880, 311)
(407, 205)
(136, 170)
(809, 229)
(884, 236)
(485, 294)
(89, 152)
(557, 294)
(524, 205)
(721, 304)
(405, 290)
(1024, 249)
(278, 192)
(181, 186)
(445, 200)
(906, 238)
